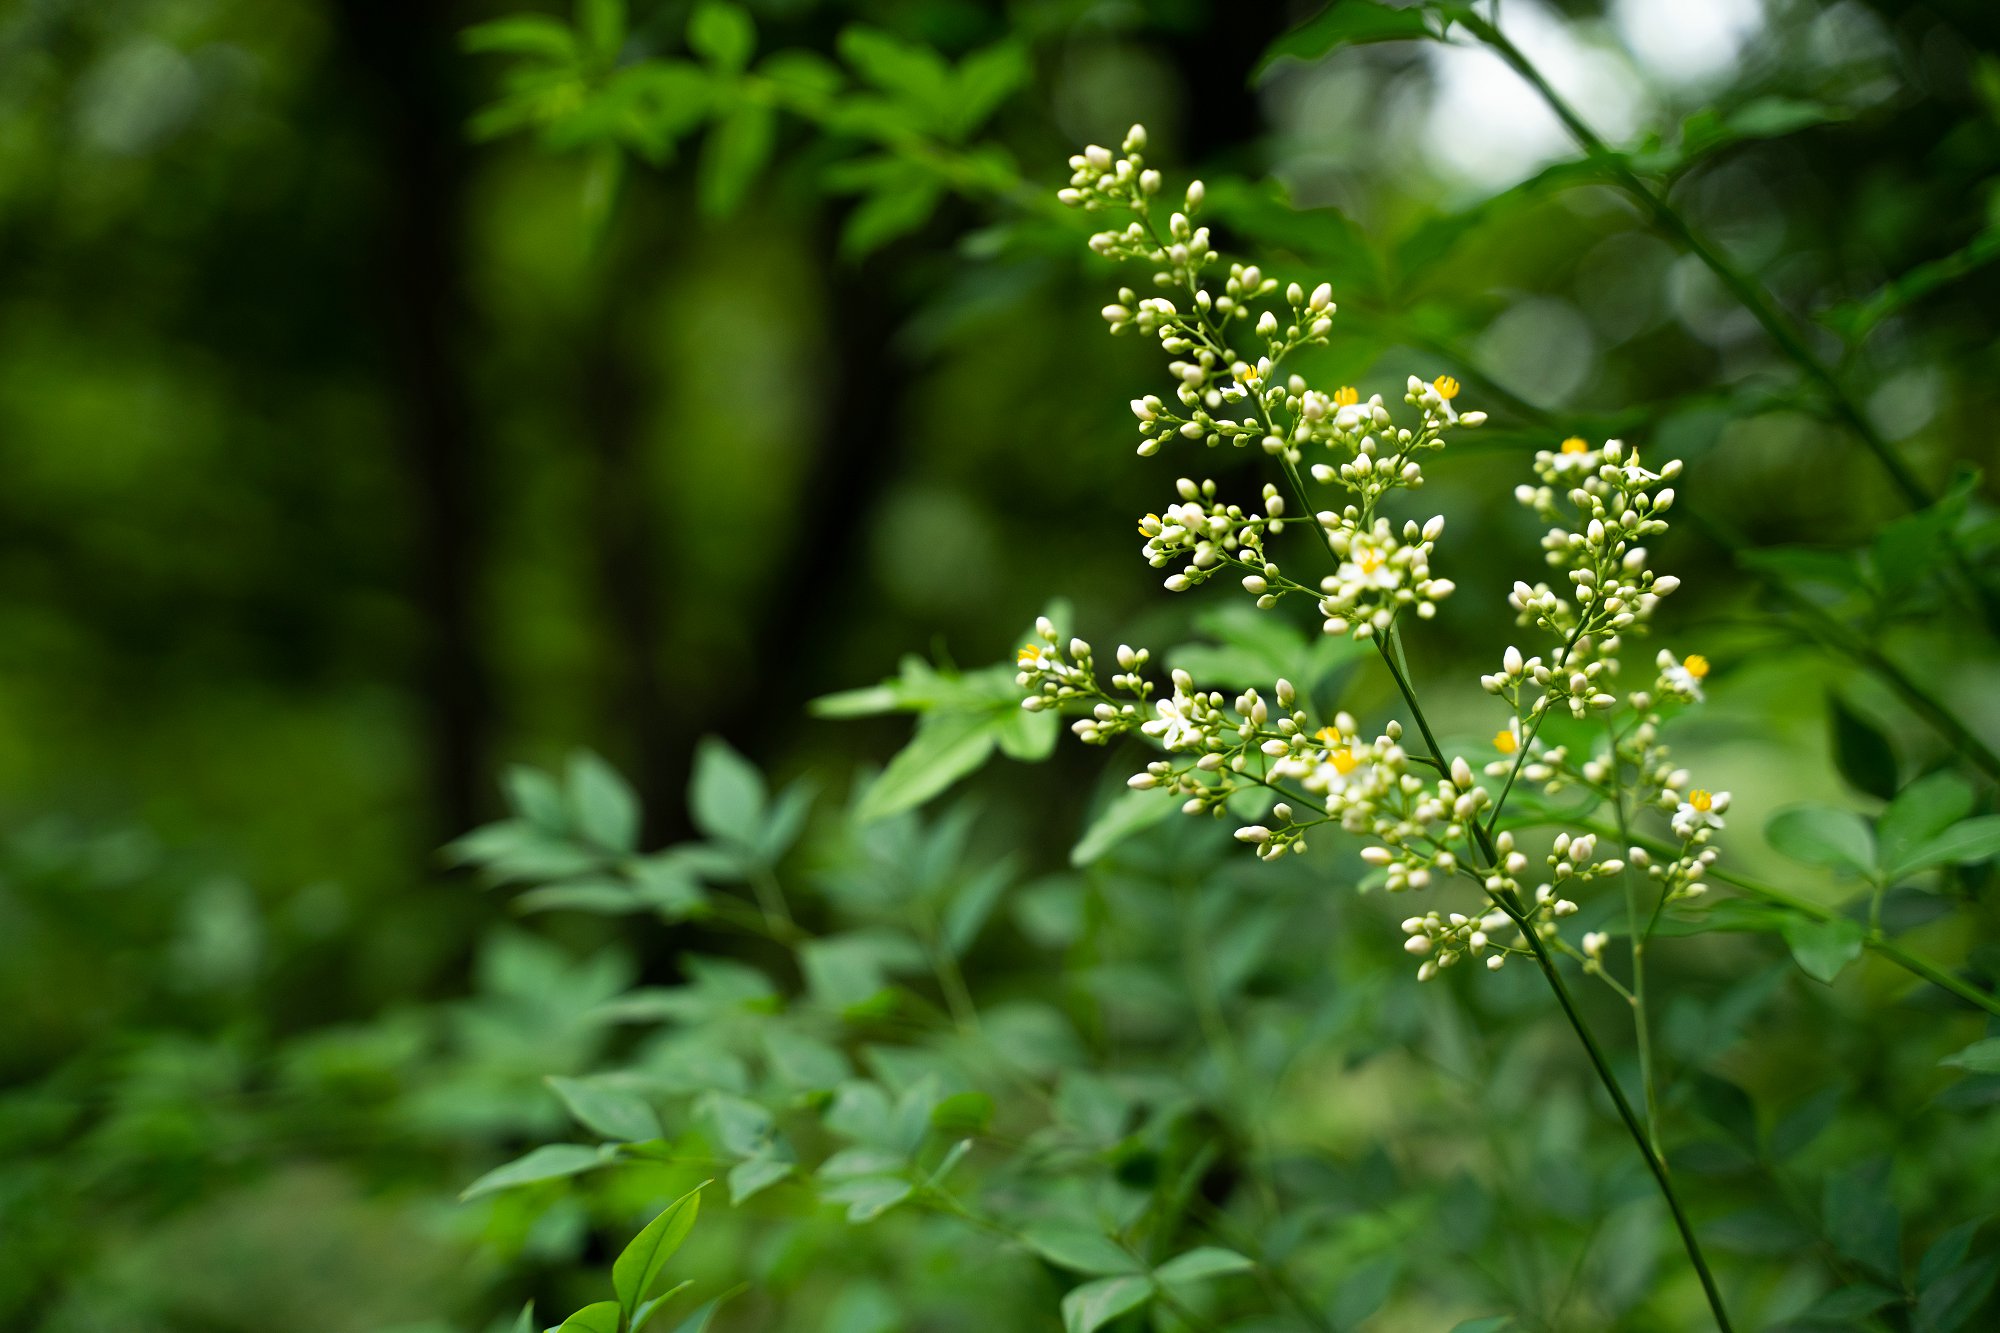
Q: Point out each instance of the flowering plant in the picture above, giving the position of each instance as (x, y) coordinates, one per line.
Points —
(1429, 821)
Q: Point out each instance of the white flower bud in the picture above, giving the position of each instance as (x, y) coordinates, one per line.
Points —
(1322, 297)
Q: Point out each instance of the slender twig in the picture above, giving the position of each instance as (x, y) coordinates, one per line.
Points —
(1642, 1026)
(1511, 904)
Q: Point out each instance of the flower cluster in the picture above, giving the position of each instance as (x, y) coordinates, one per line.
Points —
(1428, 818)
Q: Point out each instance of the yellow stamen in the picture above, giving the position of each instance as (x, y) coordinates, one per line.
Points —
(1346, 396)
(1575, 445)
(1343, 761)
(1027, 655)
(1446, 386)
(1505, 741)
(1701, 800)
(1327, 736)
(1368, 561)
(1246, 374)
(1695, 665)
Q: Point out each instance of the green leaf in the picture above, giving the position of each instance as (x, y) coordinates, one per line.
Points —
(914, 73)
(735, 151)
(603, 804)
(551, 1161)
(1346, 23)
(1966, 842)
(1492, 1323)
(1125, 814)
(603, 1317)
(1947, 1252)
(868, 1197)
(1095, 1304)
(804, 1063)
(1920, 812)
(1823, 948)
(1851, 1303)
(1946, 1304)
(1860, 1219)
(644, 1314)
(612, 1112)
(601, 24)
(1982, 1057)
(1081, 1250)
(634, 1271)
(525, 1321)
(963, 1113)
(723, 35)
(523, 35)
(753, 1177)
(1861, 752)
(537, 799)
(946, 747)
(606, 897)
(1823, 836)
(726, 796)
(983, 81)
(699, 1321)
(1199, 1265)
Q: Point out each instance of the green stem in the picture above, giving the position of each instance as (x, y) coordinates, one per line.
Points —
(1747, 291)
(1654, 1162)
(1874, 939)
(1642, 1026)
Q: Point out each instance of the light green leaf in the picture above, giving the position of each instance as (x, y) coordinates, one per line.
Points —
(1966, 842)
(603, 1317)
(525, 1321)
(963, 1113)
(1081, 1250)
(634, 1271)
(1823, 948)
(726, 795)
(612, 1112)
(753, 1177)
(644, 1314)
(868, 1197)
(723, 35)
(735, 151)
(551, 1161)
(601, 24)
(1920, 812)
(536, 798)
(946, 747)
(1095, 1304)
(699, 1321)
(603, 804)
(1198, 1265)
(804, 1063)
(523, 35)
(1125, 814)
(1982, 1057)
(1823, 836)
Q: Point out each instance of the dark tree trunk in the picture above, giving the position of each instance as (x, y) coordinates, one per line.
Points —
(403, 52)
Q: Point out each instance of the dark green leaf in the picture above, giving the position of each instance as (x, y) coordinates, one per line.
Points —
(523, 35)
(1346, 23)
(1861, 1221)
(1125, 814)
(1946, 1304)
(1861, 752)
(736, 150)
(1492, 1323)
(1851, 1303)
(1947, 1252)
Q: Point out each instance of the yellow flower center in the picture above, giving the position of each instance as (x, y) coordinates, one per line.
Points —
(1368, 561)
(1696, 665)
(1027, 655)
(1505, 741)
(1446, 386)
(1575, 445)
(1343, 761)
(1701, 800)
(1346, 396)
(1327, 735)
(1246, 374)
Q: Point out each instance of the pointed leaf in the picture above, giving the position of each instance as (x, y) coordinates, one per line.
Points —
(634, 1271)
(1823, 836)
(1095, 1304)
(602, 803)
(1920, 812)
(946, 747)
(727, 795)
(1823, 948)
(1982, 1057)
(1081, 1250)
(612, 1112)
(603, 1317)
(723, 35)
(1964, 843)
(1197, 1265)
(551, 1161)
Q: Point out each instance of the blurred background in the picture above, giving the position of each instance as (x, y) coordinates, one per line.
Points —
(352, 454)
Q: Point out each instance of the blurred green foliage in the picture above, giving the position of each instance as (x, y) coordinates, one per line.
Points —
(397, 389)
